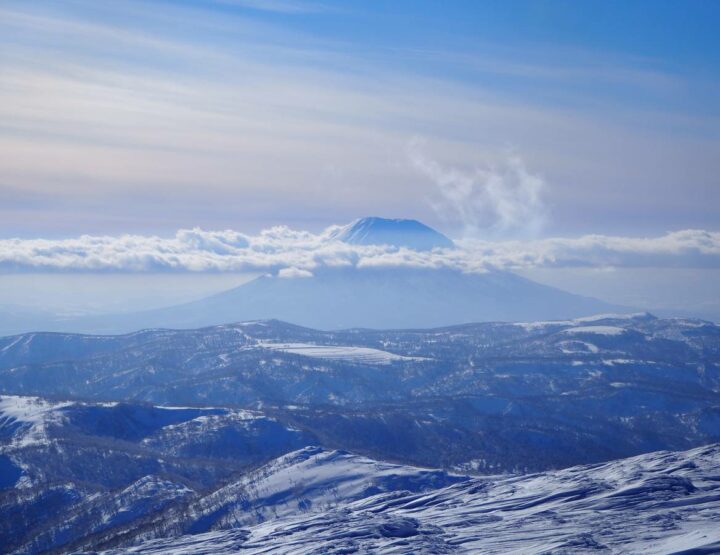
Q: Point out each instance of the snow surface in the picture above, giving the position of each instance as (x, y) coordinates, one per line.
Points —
(597, 330)
(33, 415)
(532, 326)
(656, 503)
(365, 355)
(400, 233)
(614, 316)
(567, 347)
(310, 480)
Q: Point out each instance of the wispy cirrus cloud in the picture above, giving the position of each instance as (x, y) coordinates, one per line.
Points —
(204, 103)
(295, 253)
(280, 6)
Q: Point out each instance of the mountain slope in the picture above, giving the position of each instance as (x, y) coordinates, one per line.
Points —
(657, 503)
(317, 500)
(379, 298)
(71, 470)
(309, 481)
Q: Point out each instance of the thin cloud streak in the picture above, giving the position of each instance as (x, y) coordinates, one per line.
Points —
(280, 6)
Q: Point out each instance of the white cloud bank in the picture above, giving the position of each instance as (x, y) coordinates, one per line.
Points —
(298, 253)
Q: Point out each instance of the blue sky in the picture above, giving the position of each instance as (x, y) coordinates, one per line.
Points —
(594, 122)
(243, 114)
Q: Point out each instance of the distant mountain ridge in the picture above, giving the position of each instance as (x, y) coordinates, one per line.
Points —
(522, 396)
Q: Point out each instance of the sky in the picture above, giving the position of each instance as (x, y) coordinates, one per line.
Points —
(527, 130)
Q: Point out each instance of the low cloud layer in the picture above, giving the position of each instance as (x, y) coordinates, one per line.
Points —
(295, 254)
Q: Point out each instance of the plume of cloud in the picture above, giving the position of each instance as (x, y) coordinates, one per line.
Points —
(502, 199)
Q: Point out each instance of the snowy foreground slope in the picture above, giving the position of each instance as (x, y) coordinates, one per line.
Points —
(656, 503)
(119, 478)
(72, 471)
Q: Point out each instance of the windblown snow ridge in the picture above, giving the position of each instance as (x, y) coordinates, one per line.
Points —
(662, 502)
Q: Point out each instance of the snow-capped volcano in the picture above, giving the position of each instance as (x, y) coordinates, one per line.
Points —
(416, 292)
(411, 234)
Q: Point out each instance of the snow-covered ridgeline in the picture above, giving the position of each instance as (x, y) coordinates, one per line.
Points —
(30, 417)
